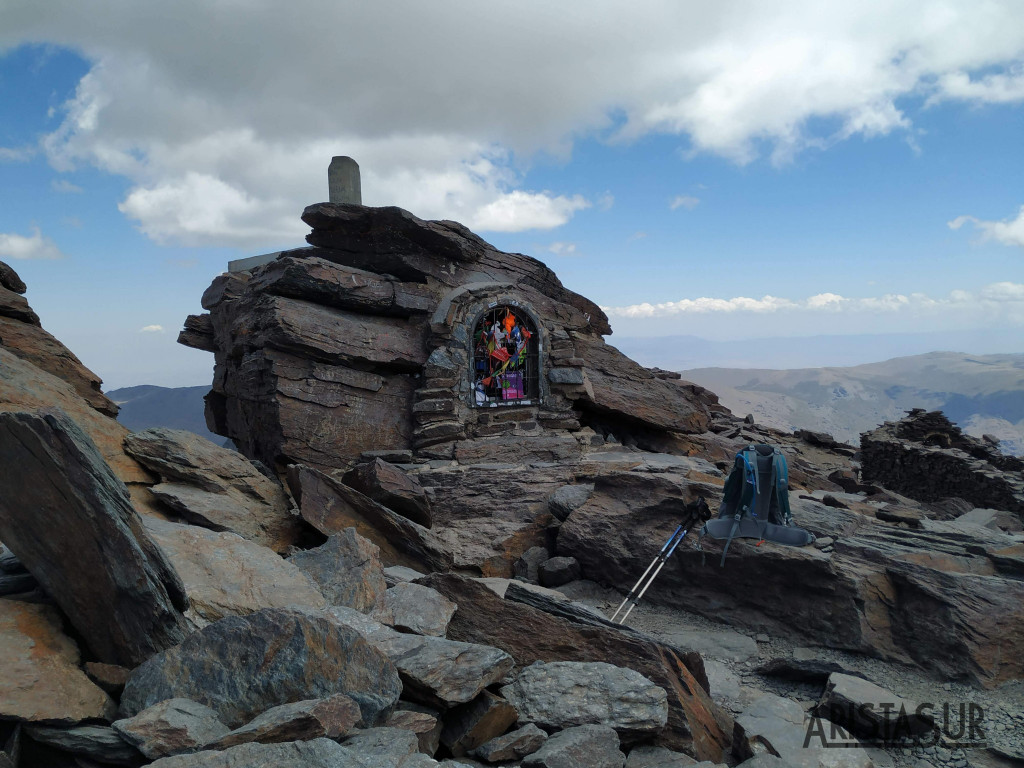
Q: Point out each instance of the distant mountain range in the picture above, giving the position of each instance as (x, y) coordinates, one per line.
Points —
(176, 407)
(983, 394)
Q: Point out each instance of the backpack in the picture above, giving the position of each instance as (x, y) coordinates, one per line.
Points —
(756, 502)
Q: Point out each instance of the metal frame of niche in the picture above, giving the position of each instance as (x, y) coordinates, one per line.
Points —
(527, 374)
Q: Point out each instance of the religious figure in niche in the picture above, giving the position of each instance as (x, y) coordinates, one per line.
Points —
(505, 364)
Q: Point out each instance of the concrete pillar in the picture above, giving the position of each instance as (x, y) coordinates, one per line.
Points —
(343, 181)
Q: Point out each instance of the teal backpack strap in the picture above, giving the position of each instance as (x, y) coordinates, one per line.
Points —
(748, 497)
(780, 483)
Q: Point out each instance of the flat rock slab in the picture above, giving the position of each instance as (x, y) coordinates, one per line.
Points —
(585, 746)
(114, 584)
(41, 681)
(332, 718)
(99, 742)
(418, 609)
(214, 487)
(171, 727)
(780, 724)
(869, 710)
(347, 570)
(227, 575)
(470, 725)
(242, 666)
(563, 694)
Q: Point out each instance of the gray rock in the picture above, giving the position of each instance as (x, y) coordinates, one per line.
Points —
(869, 710)
(382, 746)
(171, 727)
(214, 487)
(764, 760)
(567, 498)
(347, 569)
(649, 756)
(333, 718)
(513, 745)
(418, 609)
(439, 672)
(562, 694)
(558, 571)
(585, 746)
(63, 484)
(227, 575)
(10, 280)
(318, 753)
(526, 567)
(779, 724)
(99, 742)
(243, 665)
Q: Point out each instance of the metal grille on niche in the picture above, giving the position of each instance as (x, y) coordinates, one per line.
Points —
(505, 359)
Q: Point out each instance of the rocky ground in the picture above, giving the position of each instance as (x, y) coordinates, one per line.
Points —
(738, 665)
(372, 582)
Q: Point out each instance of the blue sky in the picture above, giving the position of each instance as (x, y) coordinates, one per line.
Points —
(726, 172)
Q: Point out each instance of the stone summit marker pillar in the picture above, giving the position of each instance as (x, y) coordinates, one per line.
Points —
(343, 181)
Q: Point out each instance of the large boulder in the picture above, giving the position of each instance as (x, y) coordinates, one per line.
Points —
(871, 711)
(214, 487)
(418, 609)
(226, 575)
(333, 718)
(114, 584)
(317, 753)
(347, 569)
(41, 680)
(563, 694)
(243, 665)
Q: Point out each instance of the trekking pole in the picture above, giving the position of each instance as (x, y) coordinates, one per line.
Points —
(698, 511)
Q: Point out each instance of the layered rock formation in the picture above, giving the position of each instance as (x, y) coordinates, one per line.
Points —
(928, 458)
(363, 342)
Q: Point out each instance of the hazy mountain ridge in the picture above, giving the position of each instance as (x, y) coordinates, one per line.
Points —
(148, 405)
(984, 394)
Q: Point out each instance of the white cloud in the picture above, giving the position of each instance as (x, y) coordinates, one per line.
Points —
(516, 211)
(562, 249)
(684, 201)
(231, 123)
(151, 329)
(16, 154)
(63, 185)
(990, 296)
(35, 246)
(1007, 232)
(605, 201)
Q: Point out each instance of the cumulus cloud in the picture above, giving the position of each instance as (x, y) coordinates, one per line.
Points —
(35, 246)
(683, 201)
(1005, 293)
(63, 185)
(1007, 231)
(224, 123)
(151, 329)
